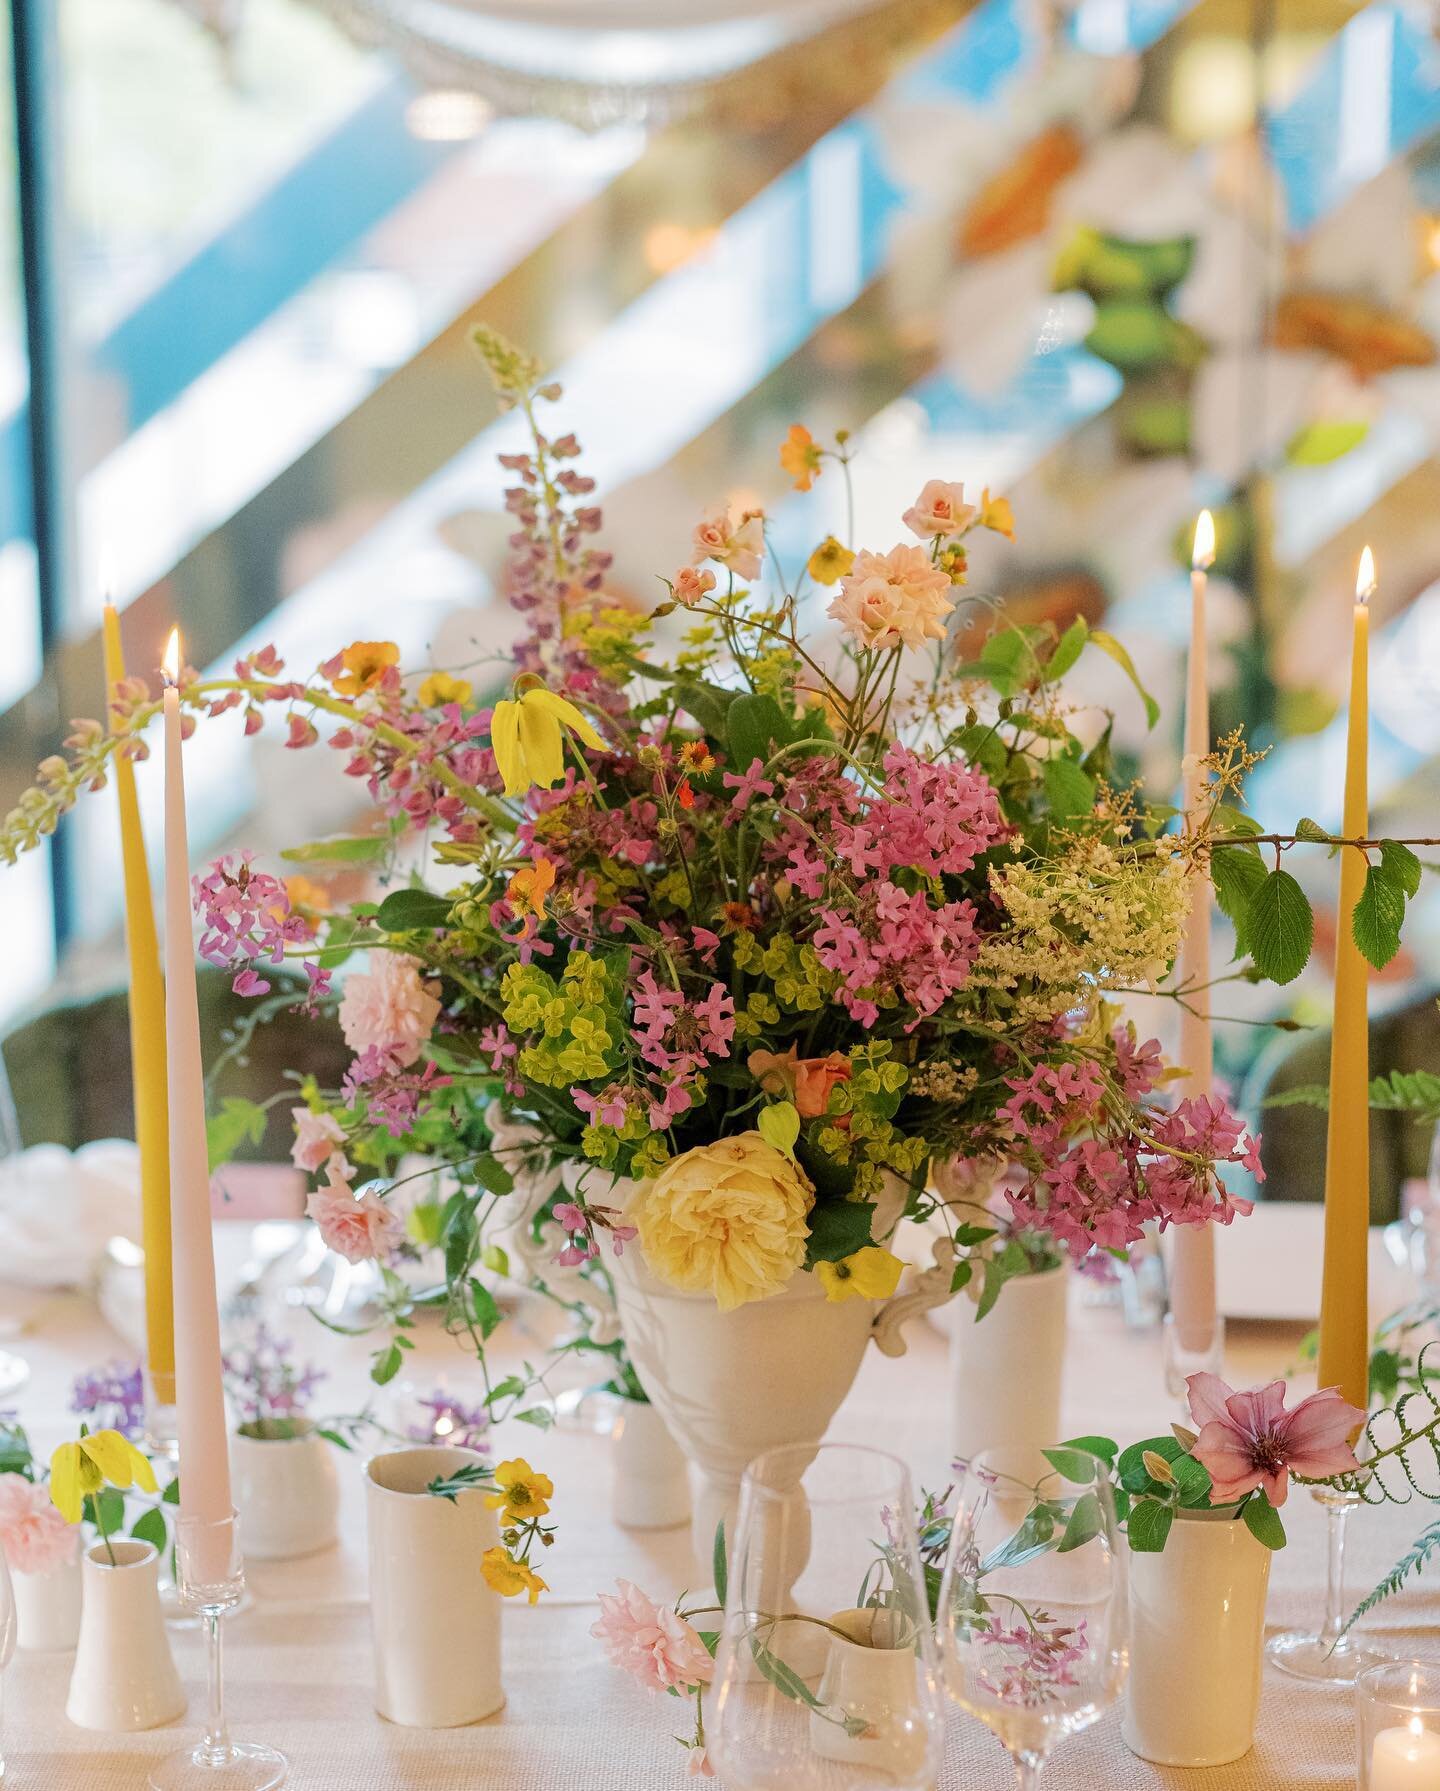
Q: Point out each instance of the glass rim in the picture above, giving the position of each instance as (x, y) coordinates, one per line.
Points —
(752, 1484)
(1370, 1684)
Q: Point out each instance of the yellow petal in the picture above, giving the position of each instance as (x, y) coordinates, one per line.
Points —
(505, 744)
(541, 744)
(566, 712)
(67, 1494)
(118, 1460)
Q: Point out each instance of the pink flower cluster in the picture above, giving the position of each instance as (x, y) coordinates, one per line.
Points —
(932, 818)
(580, 1224)
(891, 943)
(1034, 1660)
(247, 920)
(678, 1036)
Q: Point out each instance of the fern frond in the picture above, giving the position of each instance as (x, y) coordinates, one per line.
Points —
(1402, 1091)
(1412, 1561)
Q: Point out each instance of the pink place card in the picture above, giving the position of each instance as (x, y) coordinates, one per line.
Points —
(256, 1191)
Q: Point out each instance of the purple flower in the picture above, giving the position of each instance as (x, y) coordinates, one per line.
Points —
(459, 1426)
(265, 1382)
(111, 1397)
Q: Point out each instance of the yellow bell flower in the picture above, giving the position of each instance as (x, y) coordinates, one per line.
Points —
(507, 1576)
(996, 514)
(523, 1493)
(527, 738)
(79, 1470)
(830, 561)
(871, 1273)
(440, 688)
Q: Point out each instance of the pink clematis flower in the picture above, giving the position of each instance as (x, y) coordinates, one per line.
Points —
(651, 1642)
(1249, 1439)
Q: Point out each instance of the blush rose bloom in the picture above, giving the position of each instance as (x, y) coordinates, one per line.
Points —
(359, 1227)
(740, 546)
(690, 586)
(728, 1218)
(940, 509)
(389, 1007)
(1249, 1439)
(893, 599)
(806, 1081)
(33, 1535)
(650, 1641)
(318, 1136)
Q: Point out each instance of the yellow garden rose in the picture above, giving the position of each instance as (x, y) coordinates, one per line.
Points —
(727, 1218)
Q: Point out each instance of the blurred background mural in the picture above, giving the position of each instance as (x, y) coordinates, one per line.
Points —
(1118, 258)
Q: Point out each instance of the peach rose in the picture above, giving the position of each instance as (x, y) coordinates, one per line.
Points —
(318, 1136)
(389, 1007)
(740, 546)
(806, 1081)
(940, 509)
(690, 586)
(893, 599)
(359, 1227)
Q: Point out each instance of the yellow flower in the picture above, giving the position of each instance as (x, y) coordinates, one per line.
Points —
(305, 892)
(529, 887)
(800, 457)
(365, 663)
(524, 1493)
(527, 737)
(729, 1218)
(871, 1273)
(440, 688)
(507, 1577)
(996, 514)
(78, 1470)
(829, 562)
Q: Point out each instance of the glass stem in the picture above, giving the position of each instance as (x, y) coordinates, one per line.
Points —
(1337, 1516)
(214, 1750)
(1027, 1771)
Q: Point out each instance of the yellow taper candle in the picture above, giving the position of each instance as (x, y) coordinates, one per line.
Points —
(1192, 1263)
(147, 1056)
(1344, 1311)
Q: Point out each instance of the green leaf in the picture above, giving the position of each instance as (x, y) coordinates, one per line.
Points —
(1317, 444)
(171, 1494)
(1085, 1523)
(109, 1509)
(413, 911)
(483, 1304)
(238, 1122)
(541, 1416)
(961, 1277)
(1402, 865)
(754, 728)
(1149, 1525)
(1262, 1520)
(1236, 873)
(509, 1388)
(719, 1566)
(996, 1274)
(385, 1364)
(706, 702)
(1378, 917)
(1104, 1447)
(368, 850)
(838, 1228)
(1117, 651)
(1069, 790)
(494, 1258)
(1193, 1480)
(1067, 650)
(1279, 928)
(779, 1125)
(966, 1237)
(1074, 1464)
(492, 1175)
(1306, 829)
(150, 1527)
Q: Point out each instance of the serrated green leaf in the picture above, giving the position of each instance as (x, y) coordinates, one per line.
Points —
(779, 1125)
(1279, 928)
(1068, 789)
(238, 1122)
(1379, 915)
(1306, 829)
(1149, 1525)
(1236, 873)
(1263, 1521)
(1117, 651)
(1402, 865)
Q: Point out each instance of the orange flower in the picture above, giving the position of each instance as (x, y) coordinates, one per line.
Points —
(996, 514)
(684, 795)
(529, 887)
(305, 892)
(365, 663)
(740, 917)
(800, 457)
(697, 756)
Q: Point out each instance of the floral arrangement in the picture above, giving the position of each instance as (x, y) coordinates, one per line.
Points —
(270, 1391)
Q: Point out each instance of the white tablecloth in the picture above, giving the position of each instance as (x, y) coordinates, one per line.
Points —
(299, 1656)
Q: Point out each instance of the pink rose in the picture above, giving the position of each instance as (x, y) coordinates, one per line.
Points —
(651, 1642)
(318, 1136)
(893, 599)
(33, 1534)
(359, 1227)
(389, 1008)
(940, 509)
(690, 586)
(740, 546)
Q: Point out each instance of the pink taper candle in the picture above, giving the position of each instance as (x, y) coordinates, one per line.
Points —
(1192, 1262)
(199, 1391)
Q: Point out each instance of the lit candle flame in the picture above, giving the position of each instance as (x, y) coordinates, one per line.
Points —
(1365, 577)
(170, 659)
(1203, 556)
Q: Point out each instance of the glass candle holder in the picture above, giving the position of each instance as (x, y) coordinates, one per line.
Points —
(1397, 1722)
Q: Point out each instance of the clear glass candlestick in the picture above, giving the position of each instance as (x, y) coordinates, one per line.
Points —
(1328, 1656)
(1397, 1726)
(212, 1581)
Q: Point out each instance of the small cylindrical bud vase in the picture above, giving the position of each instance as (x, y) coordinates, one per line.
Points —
(47, 1608)
(651, 1485)
(124, 1677)
(1197, 1614)
(1007, 1368)
(436, 1620)
(286, 1489)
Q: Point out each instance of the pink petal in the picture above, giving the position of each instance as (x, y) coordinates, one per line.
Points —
(1316, 1435)
(1277, 1486)
(1259, 1411)
(1226, 1456)
(1208, 1394)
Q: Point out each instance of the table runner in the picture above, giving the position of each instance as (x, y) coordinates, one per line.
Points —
(299, 1657)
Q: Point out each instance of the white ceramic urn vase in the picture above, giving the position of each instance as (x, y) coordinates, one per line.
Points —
(1197, 1613)
(1006, 1369)
(436, 1622)
(47, 1608)
(124, 1677)
(651, 1485)
(287, 1493)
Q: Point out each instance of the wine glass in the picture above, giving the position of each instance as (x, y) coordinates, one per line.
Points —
(7, 1644)
(825, 1672)
(1033, 1614)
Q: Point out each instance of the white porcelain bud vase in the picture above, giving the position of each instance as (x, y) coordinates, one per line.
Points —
(871, 1673)
(651, 1485)
(287, 1492)
(47, 1608)
(1007, 1369)
(1197, 1613)
(124, 1677)
(436, 1621)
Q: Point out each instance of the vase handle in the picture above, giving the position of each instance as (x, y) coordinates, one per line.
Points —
(927, 1289)
(512, 1142)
